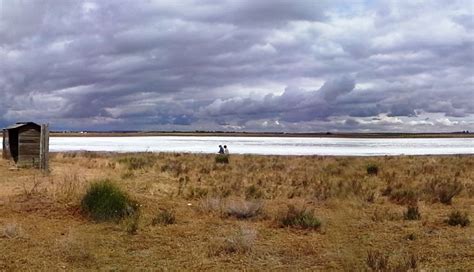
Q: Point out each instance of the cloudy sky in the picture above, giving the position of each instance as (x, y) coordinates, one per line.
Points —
(267, 65)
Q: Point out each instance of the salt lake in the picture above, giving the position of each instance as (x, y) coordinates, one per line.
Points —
(268, 145)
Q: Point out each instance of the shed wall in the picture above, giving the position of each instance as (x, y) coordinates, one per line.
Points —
(28, 147)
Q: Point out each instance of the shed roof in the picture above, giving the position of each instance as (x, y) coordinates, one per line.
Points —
(21, 124)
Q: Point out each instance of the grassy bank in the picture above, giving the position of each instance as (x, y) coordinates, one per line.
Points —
(255, 212)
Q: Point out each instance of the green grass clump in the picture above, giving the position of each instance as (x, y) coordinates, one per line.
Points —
(300, 218)
(105, 201)
(222, 159)
(458, 218)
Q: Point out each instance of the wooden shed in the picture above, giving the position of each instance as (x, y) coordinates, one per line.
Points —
(26, 144)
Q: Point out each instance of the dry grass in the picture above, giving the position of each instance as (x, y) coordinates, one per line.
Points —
(224, 214)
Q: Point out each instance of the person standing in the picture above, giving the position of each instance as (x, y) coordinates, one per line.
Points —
(221, 150)
(226, 151)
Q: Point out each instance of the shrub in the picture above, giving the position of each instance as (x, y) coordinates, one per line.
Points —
(458, 218)
(300, 218)
(412, 213)
(372, 169)
(164, 217)
(446, 191)
(242, 209)
(222, 159)
(105, 201)
(404, 196)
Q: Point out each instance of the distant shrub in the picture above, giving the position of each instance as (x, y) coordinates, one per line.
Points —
(372, 169)
(412, 213)
(299, 217)
(444, 191)
(253, 192)
(164, 217)
(222, 159)
(404, 196)
(105, 201)
(137, 162)
(242, 209)
(458, 218)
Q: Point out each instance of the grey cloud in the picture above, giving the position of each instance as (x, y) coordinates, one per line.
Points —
(283, 65)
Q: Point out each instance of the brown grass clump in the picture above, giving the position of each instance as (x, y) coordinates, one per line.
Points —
(241, 242)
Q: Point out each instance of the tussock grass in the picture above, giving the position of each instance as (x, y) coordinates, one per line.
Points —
(105, 201)
(299, 217)
(164, 217)
(457, 218)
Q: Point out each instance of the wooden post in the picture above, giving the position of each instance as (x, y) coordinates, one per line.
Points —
(44, 148)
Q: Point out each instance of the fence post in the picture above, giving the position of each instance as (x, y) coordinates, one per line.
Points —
(44, 148)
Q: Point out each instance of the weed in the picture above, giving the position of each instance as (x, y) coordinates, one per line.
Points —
(458, 218)
(412, 213)
(105, 201)
(164, 217)
(299, 217)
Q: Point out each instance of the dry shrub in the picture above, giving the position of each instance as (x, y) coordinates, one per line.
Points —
(68, 188)
(404, 196)
(412, 213)
(75, 250)
(138, 161)
(443, 191)
(456, 218)
(299, 217)
(237, 208)
(241, 242)
(11, 231)
(242, 209)
(380, 261)
(164, 217)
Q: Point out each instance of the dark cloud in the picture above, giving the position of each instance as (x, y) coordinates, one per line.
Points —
(238, 64)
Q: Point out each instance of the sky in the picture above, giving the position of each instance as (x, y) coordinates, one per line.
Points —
(239, 65)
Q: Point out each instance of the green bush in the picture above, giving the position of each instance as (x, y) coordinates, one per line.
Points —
(458, 218)
(164, 217)
(372, 169)
(412, 213)
(300, 218)
(105, 201)
(222, 159)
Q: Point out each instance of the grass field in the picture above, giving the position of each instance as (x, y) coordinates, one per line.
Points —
(254, 213)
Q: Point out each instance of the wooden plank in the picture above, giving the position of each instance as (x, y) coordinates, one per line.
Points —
(44, 148)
